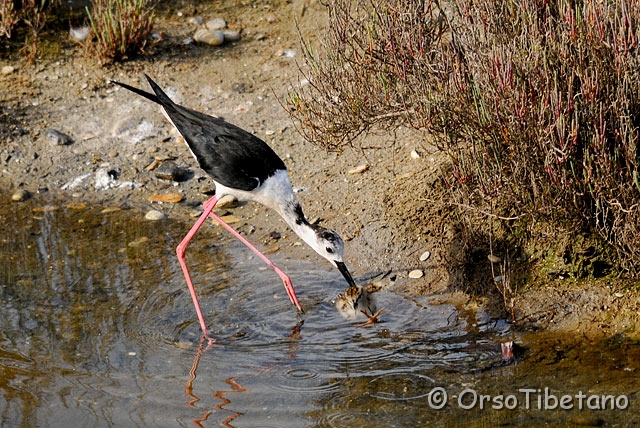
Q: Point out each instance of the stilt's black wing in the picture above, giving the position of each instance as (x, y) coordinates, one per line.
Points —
(232, 156)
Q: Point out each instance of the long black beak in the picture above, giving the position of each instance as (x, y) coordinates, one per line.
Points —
(345, 272)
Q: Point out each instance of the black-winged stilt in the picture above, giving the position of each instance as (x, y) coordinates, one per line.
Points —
(244, 166)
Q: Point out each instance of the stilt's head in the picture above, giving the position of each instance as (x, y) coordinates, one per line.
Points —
(329, 245)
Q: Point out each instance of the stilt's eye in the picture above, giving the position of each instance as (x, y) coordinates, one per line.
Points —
(329, 250)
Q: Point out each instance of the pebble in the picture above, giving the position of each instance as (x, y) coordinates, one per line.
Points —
(425, 256)
(216, 24)
(415, 274)
(227, 201)
(21, 195)
(8, 69)
(415, 155)
(198, 20)
(173, 198)
(154, 215)
(138, 242)
(169, 170)
(231, 35)
(153, 165)
(275, 235)
(110, 210)
(209, 37)
(359, 169)
(77, 206)
(58, 138)
(230, 219)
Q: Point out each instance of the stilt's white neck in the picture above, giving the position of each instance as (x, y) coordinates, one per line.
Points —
(293, 215)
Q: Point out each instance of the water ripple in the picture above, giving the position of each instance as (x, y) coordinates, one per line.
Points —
(401, 386)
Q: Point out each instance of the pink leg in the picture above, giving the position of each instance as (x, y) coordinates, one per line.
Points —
(180, 251)
(288, 285)
(182, 247)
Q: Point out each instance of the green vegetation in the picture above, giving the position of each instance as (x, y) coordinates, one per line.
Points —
(120, 27)
(535, 102)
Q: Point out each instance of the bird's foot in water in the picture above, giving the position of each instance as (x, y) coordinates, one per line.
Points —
(372, 318)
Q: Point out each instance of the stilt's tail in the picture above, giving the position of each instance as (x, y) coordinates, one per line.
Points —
(160, 97)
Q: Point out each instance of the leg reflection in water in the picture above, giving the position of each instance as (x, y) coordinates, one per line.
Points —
(188, 387)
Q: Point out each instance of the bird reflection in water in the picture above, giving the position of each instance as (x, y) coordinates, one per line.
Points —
(220, 394)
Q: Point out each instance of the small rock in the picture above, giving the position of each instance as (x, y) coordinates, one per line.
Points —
(208, 37)
(21, 195)
(154, 215)
(425, 256)
(275, 235)
(271, 250)
(7, 69)
(231, 35)
(498, 279)
(171, 171)
(77, 206)
(415, 155)
(110, 210)
(494, 259)
(227, 201)
(359, 169)
(173, 198)
(138, 242)
(58, 138)
(415, 274)
(153, 165)
(230, 219)
(216, 24)
(198, 20)
(618, 295)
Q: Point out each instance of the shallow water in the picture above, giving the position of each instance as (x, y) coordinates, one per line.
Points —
(98, 329)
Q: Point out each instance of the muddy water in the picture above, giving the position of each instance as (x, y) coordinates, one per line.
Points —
(97, 329)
